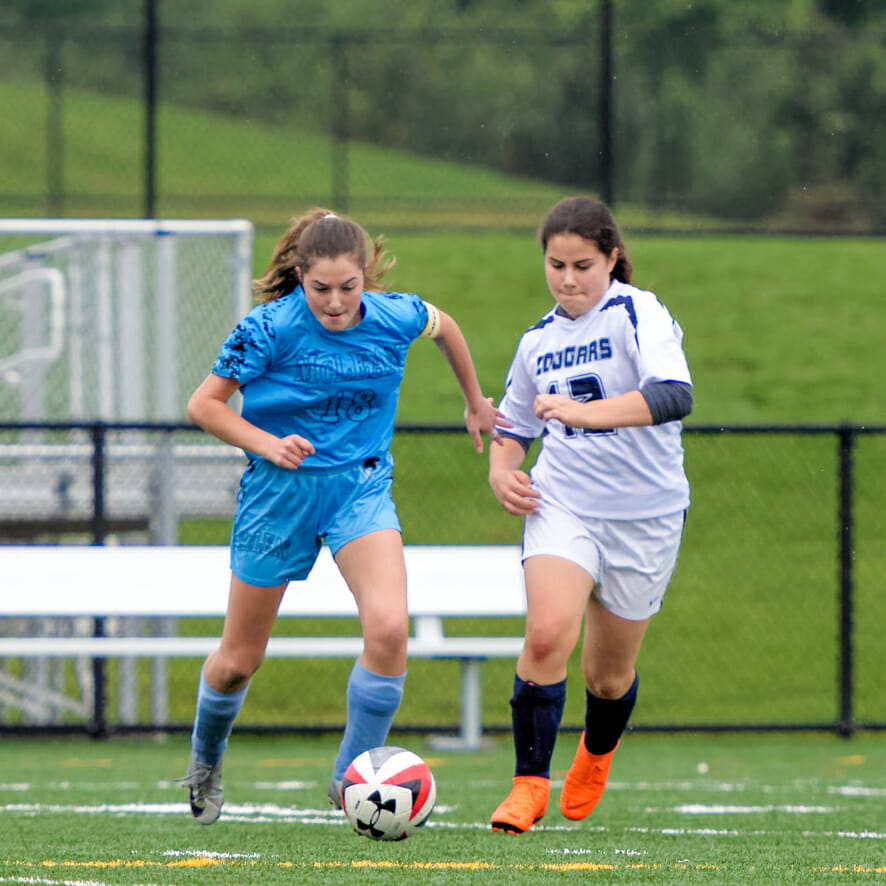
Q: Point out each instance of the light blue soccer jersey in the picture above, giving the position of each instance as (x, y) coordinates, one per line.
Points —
(338, 390)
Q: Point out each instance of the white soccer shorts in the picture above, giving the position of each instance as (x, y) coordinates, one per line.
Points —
(630, 561)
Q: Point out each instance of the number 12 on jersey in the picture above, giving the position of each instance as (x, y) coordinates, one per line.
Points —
(584, 389)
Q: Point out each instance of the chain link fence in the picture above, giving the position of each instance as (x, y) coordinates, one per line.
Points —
(771, 622)
(411, 122)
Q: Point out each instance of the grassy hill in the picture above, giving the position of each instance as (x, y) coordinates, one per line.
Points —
(777, 329)
(211, 164)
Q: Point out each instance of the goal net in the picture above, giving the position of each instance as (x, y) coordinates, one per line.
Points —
(111, 321)
(115, 320)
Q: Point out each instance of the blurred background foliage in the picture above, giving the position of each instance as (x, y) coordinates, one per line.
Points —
(769, 113)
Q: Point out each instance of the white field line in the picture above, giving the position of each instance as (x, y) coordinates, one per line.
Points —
(24, 786)
(206, 853)
(723, 809)
(727, 787)
(267, 813)
(856, 790)
(696, 786)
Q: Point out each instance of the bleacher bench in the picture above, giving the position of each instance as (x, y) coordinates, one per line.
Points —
(187, 581)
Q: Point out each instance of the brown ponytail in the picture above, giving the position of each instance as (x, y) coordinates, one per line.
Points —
(319, 233)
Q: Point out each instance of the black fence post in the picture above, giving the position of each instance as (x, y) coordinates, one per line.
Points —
(341, 122)
(150, 86)
(55, 132)
(846, 438)
(99, 528)
(99, 677)
(99, 726)
(607, 186)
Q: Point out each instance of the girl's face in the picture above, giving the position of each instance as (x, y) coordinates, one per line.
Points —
(577, 272)
(334, 289)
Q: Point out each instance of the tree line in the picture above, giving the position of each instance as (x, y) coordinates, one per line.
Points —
(747, 110)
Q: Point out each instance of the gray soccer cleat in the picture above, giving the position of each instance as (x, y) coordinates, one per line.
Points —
(334, 792)
(205, 785)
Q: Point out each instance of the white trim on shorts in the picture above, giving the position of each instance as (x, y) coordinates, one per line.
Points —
(631, 562)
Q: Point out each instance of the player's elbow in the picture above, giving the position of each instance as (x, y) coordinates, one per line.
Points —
(195, 410)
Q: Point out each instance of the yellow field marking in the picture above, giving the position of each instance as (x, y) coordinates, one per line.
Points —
(845, 869)
(852, 760)
(580, 866)
(202, 861)
(211, 860)
(198, 862)
(418, 865)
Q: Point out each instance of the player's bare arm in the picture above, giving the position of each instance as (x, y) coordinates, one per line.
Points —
(479, 420)
(208, 408)
(626, 410)
(480, 412)
(510, 484)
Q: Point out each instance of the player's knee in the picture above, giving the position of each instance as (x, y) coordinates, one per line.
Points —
(544, 645)
(235, 669)
(609, 685)
(387, 635)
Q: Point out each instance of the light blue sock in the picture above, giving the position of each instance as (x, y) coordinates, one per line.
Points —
(373, 700)
(215, 716)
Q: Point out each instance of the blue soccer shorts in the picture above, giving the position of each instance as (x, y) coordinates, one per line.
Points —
(284, 516)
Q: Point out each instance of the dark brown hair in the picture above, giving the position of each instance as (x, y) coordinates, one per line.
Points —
(319, 233)
(592, 220)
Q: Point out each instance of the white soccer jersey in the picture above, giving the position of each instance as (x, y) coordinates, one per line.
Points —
(626, 340)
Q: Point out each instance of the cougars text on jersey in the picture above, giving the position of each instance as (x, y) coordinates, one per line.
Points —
(574, 355)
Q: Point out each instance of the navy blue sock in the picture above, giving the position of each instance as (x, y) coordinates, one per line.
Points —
(536, 712)
(607, 718)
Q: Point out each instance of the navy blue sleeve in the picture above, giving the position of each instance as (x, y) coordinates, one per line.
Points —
(667, 400)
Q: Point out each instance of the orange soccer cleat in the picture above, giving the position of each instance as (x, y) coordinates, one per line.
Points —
(585, 782)
(524, 806)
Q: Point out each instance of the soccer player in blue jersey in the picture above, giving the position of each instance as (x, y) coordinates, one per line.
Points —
(603, 379)
(319, 363)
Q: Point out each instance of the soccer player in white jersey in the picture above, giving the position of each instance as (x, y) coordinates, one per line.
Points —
(603, 379)
(319, 363)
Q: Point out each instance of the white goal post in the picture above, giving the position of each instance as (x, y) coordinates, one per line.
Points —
(111, 320)
(115, 319)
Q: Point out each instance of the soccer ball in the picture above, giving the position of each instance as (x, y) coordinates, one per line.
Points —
(388, 793)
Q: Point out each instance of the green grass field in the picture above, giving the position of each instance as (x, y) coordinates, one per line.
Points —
(680, 809)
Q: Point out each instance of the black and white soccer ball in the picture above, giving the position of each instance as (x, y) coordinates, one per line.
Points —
(388, 793)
